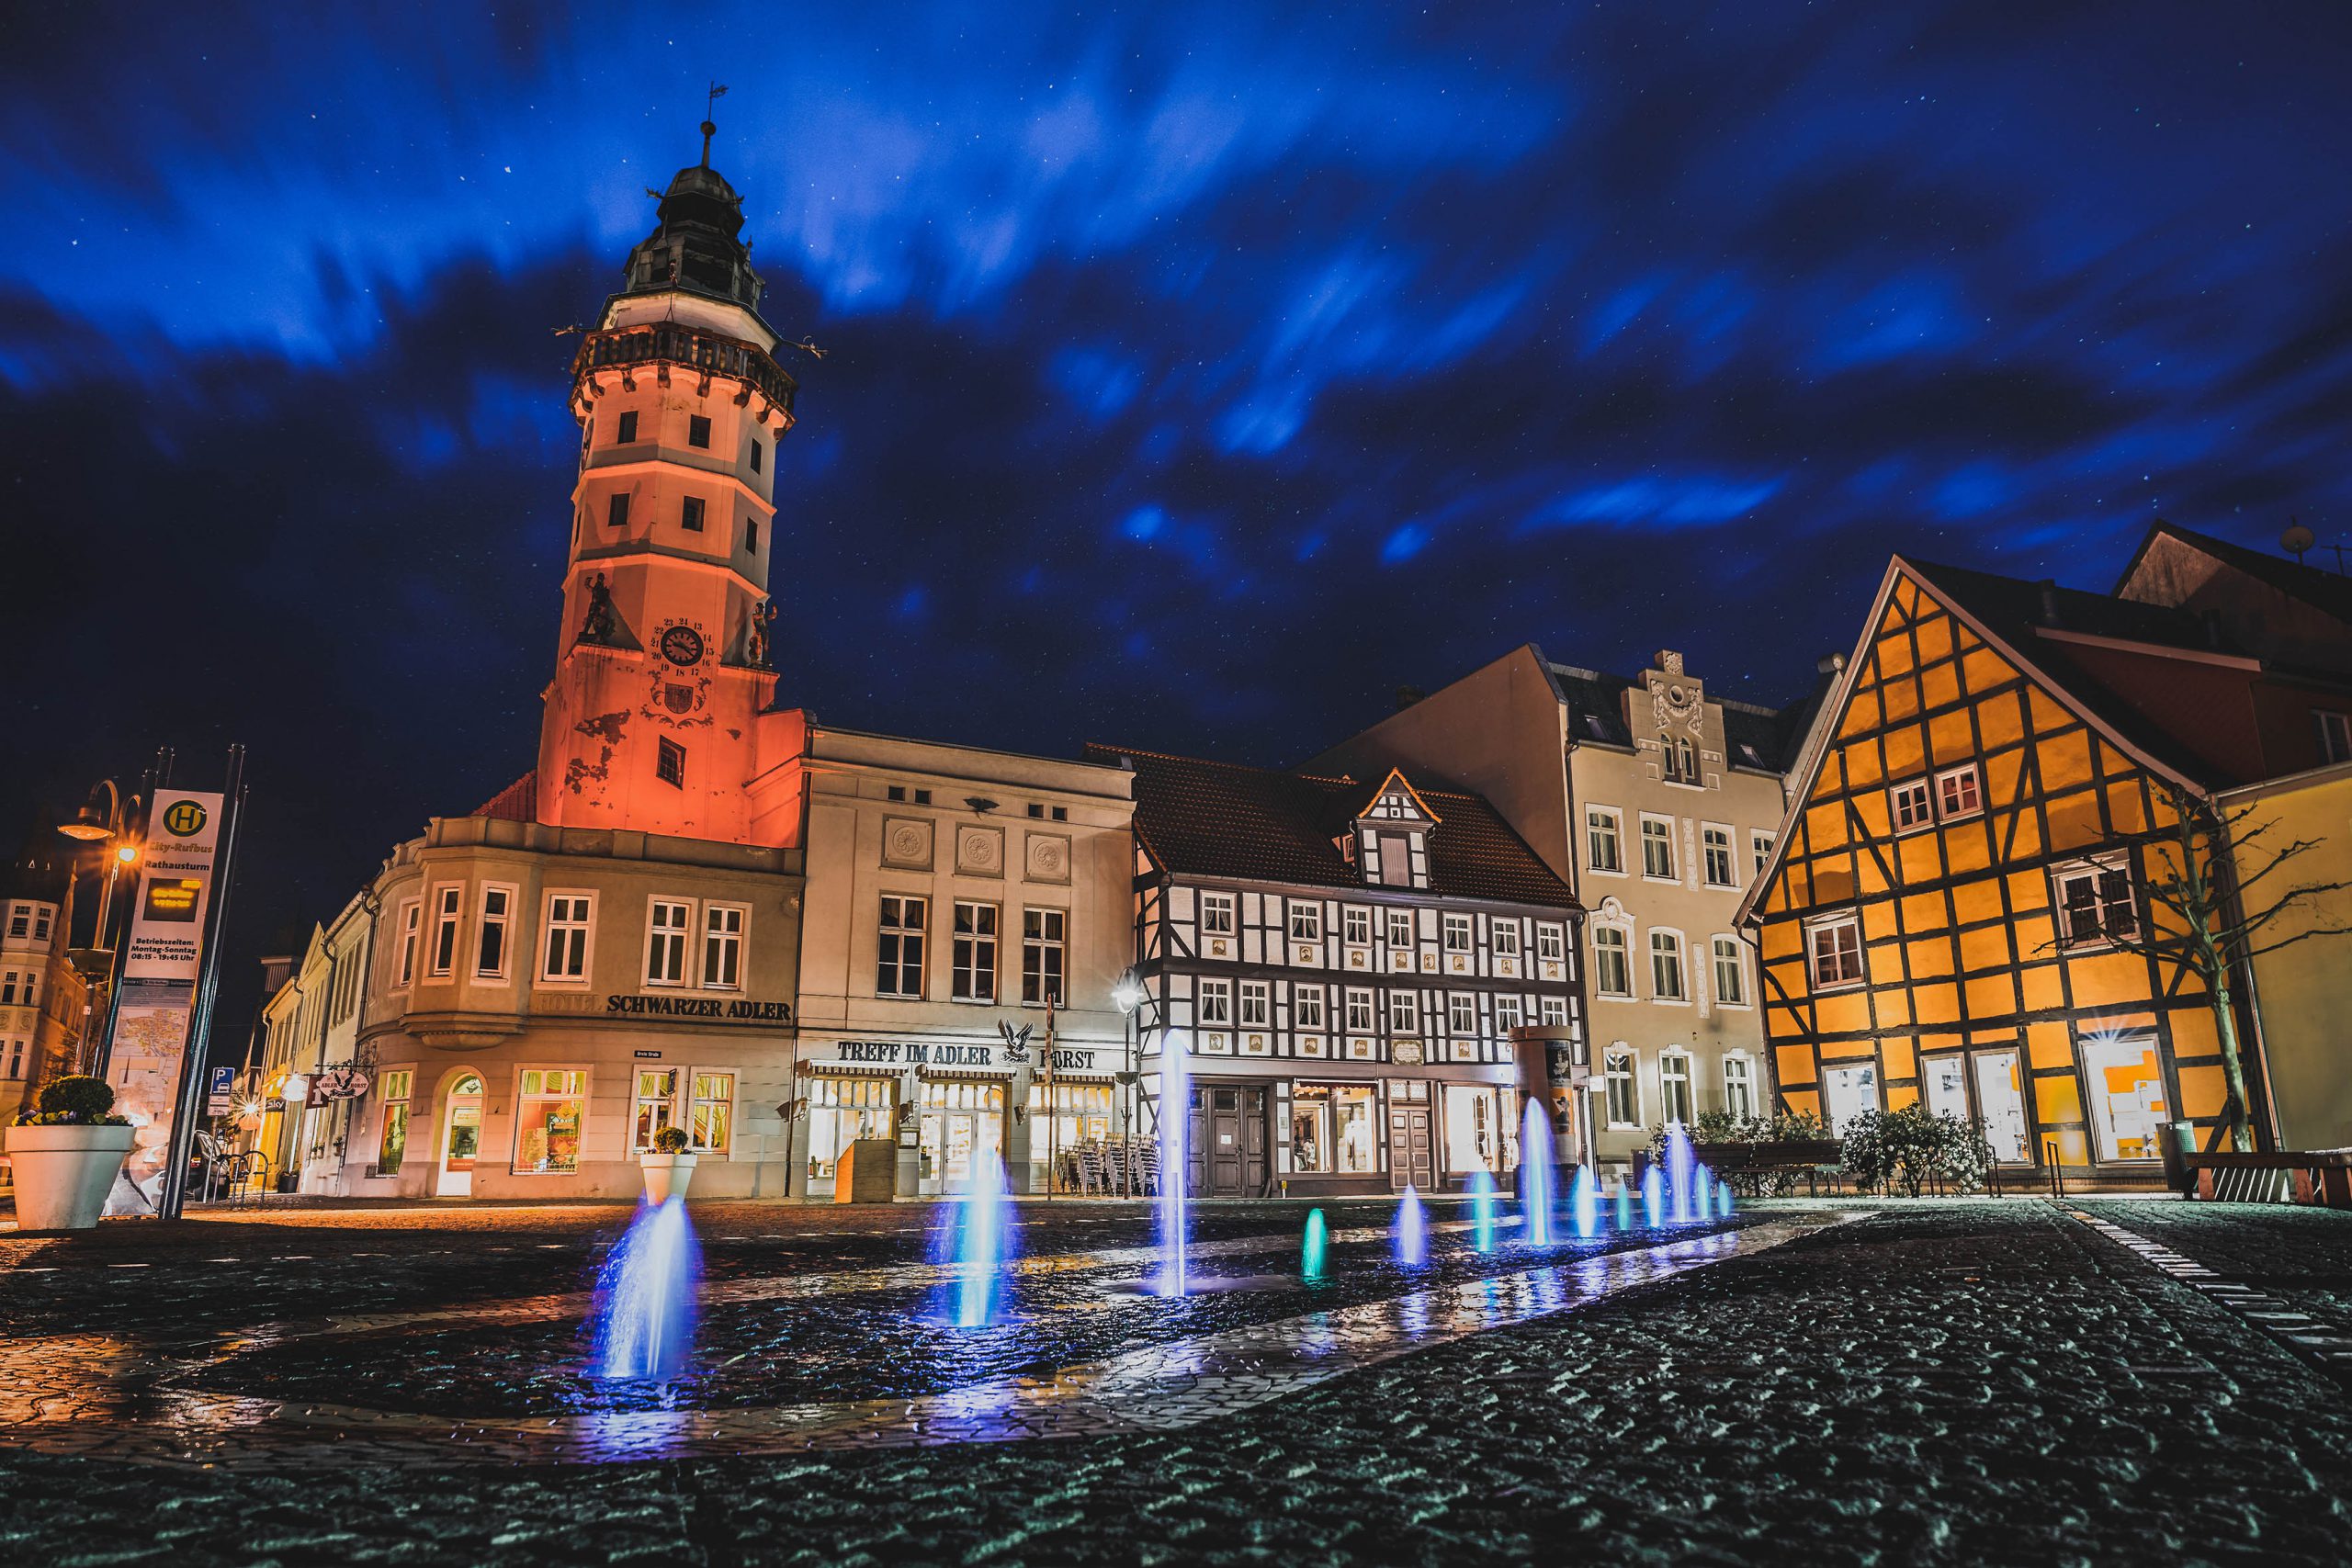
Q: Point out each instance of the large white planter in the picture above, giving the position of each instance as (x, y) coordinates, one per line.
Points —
(667, 1175)
(64, 1173)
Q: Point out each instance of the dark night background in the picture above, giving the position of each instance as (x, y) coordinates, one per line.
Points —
(1198, 375)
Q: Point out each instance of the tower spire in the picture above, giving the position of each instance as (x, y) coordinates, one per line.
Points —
(709, 103)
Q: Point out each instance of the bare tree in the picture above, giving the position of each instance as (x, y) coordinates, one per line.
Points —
(2216, 909)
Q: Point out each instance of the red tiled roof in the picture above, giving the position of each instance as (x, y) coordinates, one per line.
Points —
(518, 802)
(1205, 819)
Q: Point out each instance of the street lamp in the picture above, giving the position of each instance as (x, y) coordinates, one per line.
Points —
(1127, 993)
(111, 823)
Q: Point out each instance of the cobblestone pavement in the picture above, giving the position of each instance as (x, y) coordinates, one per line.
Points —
(2301, 1255)
(1960, 1384)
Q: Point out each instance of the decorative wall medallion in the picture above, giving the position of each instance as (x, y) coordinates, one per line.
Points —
(980, 850)
(906, 842)
(1406, 1053)
(1048, 858)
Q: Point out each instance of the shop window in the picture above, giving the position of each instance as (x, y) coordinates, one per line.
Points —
(1353, 1136)
(1847, 1092)
(625, 431)
(1472, 1125)
(548, 1111)
(446, 903)
(1912, 805)
(711, 1120)
(1731, 972)
(1043, 952)
(667, 923)
(1307, 1008)
(972, 952)
(1674, 1086)
(1356, 927)
(899, 957)
(1305, 921)
(1658, 849)
(1256, 1005)
(567, 951)
(1457, 933)
(1666, 966)
(2096, 903)
(699, 430)
(1215, 1005)
(1079, 1114)
(841, 1111)
(490, 948)
(722, 946)
(392, 1089)
(1621, 1095)
(1739, 1086)
(1462, 1014)
(1958, 794)
(2127, 1095)
(1612, 968)
(1311, 1153)
(1834, 951)
(1404, 1014)
(1716, 844)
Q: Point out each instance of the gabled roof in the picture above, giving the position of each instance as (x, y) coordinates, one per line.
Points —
(2324, 591)
(518, 802)
(1201, 818)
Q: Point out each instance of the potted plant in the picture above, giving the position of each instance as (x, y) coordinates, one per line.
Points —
(669, 1166)
(65, 1154)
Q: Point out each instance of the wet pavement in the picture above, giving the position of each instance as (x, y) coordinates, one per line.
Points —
(1944, 1383)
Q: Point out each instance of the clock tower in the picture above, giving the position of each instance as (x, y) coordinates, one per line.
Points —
(652, 722)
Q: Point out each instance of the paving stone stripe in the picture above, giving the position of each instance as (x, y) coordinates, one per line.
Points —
(2298, 1331)
(97, 1398)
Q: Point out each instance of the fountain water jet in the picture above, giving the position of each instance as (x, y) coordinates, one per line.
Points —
(1482, 1211)
(1412, 1230)
(1624, 1204)
(645, 1296)
(978, 1242)
(1722, 1199)
(1679, 1163)
(1584, 1204)
(1702, 1184)
(1535, 1175)
(1175, 1162)
(1311, 1251)
(1653, 1198)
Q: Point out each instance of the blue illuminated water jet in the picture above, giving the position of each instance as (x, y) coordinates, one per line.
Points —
(1412, 1230)
(1702, 1193)
(1311, 1251)
(1535, 1175)
(978, 1243)
(1482, 1211)
(1624, 1204)
(1679, 1163)
(645, 1296)
(1584, 1204)
(1653, 1198)
(1175, 1161)
(1722, 1199)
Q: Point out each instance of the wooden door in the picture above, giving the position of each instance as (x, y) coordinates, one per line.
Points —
(1229, 1141)
(1412, 1148)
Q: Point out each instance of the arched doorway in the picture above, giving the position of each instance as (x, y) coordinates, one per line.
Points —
(461, 1138)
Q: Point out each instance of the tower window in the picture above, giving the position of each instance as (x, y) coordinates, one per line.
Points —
(616, 509)
(759, 456)
(670, 763)
(691, 517)
(752, 535)
(697, 430)
(627, 430)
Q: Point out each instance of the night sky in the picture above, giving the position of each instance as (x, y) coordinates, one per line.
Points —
(1197, 374)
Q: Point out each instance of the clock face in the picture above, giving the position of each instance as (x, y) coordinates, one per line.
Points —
(681, 644)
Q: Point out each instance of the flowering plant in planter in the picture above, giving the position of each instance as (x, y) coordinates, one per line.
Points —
(76, 1102)
(669, 1141)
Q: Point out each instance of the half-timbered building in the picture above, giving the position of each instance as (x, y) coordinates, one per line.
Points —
(1367, 978)
(1957, 907)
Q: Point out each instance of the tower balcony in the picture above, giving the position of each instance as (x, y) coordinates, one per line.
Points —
(661, 346)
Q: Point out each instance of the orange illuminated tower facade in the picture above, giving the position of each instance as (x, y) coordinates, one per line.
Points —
(652, 721)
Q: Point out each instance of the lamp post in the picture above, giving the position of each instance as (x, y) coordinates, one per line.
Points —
(1129, 994)
(116, 825)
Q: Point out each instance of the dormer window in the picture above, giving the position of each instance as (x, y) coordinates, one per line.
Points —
(1395, 861)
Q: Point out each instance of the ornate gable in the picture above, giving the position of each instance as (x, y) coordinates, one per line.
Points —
(1390, 835)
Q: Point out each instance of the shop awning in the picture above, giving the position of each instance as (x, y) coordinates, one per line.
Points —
(962, 1075)
(846, 1070)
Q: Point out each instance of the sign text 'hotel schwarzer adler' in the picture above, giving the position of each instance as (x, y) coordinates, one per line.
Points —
(709, 1010)
(917, 1054)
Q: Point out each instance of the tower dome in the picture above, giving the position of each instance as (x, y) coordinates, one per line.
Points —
(695, 242)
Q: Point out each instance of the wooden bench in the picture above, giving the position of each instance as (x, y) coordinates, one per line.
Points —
(2308, 1176)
